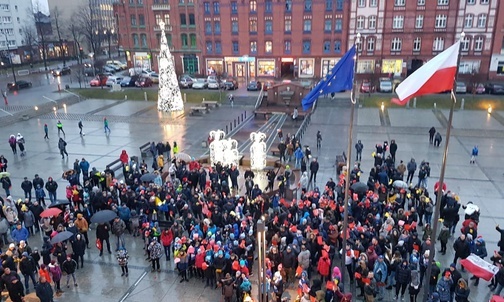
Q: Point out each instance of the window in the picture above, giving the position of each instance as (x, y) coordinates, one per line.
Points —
(478, 44)
(216, 8)
(482, 19)
(420, 2)
(7, 20)
(268, 47)
(234, 7)
(208, 27)
(268, 27)
(373, 3)
(443, 2)
(306, 46)
(253, 46)
(468, 67)
(419, 21)
(464, 44)
(372, 22)
(307, 5)
(209, 47)
(192, 20)
(468, 21)
(440, 21)
(398, 22)
(218, 47)
(328, 5)
(133, 20)
(183, 38)
(417, 44)
(287, 26)
(192, 38)
(167, 19)
(268, 6)
(361, 3)
(235, 47)
(327, 25)
(471, 2)
(396, 44)
(287, 46)
(338, 24)
(158, 19)
(360, 22)
(253, 26)
(399, 2)
(339, 5)
(234, 27)
(183, 20)
(370, 44)
(141, 20)
(206, 6)
(337, 46)
(135, 40)
(140, 1)
(484, 1)
(327, 46)
(181, 2)
(307, 26)
(253, 6)
(438, 44)
(288, 5)
(217, 27)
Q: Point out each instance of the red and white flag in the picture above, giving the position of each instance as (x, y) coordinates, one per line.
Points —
(479, 267)
(435, 76)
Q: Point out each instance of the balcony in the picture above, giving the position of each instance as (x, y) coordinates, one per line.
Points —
(167, 28)
(160, 7)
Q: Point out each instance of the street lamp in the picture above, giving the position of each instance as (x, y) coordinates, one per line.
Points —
(10, 58)
(246, 57)
(261, 243)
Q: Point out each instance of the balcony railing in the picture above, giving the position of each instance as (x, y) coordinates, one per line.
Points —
(167, 28)
(161, 7)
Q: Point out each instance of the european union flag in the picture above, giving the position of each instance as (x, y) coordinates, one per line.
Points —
(339, 79)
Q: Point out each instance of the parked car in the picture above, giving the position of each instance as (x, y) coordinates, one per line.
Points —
(254, 86)
(231, 84)
(61, 71)
(129, 81)
(99, 80)
(367, 87)
(385, 85)
(18, 85)
(494, 88)
(460, 87)
(143, 82)
(119, 64)
(186, 82)
(154, 77)
(113, 80)
(200, 84)
(108, 68)
(478, 89)
(214, 84)
(267, 85)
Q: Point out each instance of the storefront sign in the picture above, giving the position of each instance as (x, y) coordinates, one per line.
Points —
(239, 59)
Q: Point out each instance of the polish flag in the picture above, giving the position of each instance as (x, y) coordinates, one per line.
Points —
(479, 267)
(435, 76)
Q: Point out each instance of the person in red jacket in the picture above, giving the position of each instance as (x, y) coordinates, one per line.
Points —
(124, 158)
(166, 241)
(324, 266)
(198, 262)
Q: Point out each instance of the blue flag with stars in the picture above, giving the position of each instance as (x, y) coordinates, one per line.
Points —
(339, 79)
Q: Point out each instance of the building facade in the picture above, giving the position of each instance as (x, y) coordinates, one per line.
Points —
(13, 16)
(496, 69)
(139, 33)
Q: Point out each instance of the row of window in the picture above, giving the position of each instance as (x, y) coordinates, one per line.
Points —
(183, 20)
(437, 44)
(374, 3)
(187, 40)
(440, 21)
(268, 47)
(215, 7)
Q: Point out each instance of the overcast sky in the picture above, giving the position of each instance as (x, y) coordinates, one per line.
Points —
(43, 6)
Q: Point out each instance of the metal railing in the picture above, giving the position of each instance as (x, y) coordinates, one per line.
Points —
(260, 98)
(304, 125)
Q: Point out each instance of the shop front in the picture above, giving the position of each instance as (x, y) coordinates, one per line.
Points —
(214, 66)
(392, 67)
(142, 60)
(240, 67)
(266, 67)
(327, 65)
(190, 64)
(306, 68)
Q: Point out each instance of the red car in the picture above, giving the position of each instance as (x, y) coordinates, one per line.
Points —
(100, 80)
(143, 82)
(366, 87)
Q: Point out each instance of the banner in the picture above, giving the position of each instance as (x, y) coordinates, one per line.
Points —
(479, 267)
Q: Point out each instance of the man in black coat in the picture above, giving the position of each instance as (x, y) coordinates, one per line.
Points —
(38, 181)
(44, 290)
(314, 167)
(462, 249)
(36, 209)
(103, 234)
(27, 187)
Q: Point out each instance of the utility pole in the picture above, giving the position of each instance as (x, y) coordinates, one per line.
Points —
(10, 59)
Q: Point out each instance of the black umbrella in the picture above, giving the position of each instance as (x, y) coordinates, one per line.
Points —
(103, 216)
(59, 203)
(65, 235)
(148, 177)
(359, 187)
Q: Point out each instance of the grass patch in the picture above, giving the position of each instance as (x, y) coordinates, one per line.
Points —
(443, 101)
(137, 94)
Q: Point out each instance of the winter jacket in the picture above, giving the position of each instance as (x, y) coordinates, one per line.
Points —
(26, 186)
(79, 247)
(44, 292)
(462, 293)
(412, 166)
(28, 219)
(462, 248)
(289, 260)
(167, 237)
(55, 271)
(102, 231)
(324, 266)
(155, 250)
(380, 271)
(51, 186)
(443, 288)
(304, 259)
(118, 227)
(27, 265)
(298, 154)
(403, 274)
(69, 266)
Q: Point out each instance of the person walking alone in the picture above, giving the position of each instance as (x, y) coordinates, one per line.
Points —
(314, 167)
(319, 140)
(474, 154)
(437, 139)
(62, 147)
(59, 125)
(122, 259)
(46, 132)
(432, 131)
(358, 148)
(106, 125)
(80, 128)
(155, 253)
(412, 166)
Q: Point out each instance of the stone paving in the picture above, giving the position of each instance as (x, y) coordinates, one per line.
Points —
(133, 123)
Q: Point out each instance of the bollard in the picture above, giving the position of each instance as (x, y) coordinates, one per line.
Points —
(125, 97)
(245, 114)
(235, 123)
(185, 97)
(145, 96)
(230, 126)
(242, 117)
(227, 129)
(407, 104)
(462, 104)
(414, 102)
(435, 106)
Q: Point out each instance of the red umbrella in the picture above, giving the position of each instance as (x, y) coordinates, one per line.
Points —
(50, 212)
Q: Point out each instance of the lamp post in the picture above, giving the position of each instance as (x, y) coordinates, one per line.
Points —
(10, 59)
(246, 57)
(261, 243)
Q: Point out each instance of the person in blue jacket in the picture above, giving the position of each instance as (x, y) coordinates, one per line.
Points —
(20, 233)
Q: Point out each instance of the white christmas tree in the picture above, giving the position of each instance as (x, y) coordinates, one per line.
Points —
(169, 96)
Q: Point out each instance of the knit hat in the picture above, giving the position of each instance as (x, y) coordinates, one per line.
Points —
(453, 265)
(25, 254)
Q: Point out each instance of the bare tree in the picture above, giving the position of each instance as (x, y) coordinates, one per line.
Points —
(80, 76)
(89, 27)
(76, 34)
(56, 17)
(42, 35)
(30, 38)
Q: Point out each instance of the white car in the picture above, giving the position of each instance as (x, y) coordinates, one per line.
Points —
(154, 77)
(119, 64)
(113, 80)
(212, 84)
(386, 86)
(200, 84)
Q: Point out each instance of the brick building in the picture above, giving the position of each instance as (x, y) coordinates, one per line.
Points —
(139, 33)
(496, 70)
(273, 39)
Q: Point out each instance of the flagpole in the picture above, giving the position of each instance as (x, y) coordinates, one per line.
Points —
(437, 213)
(349, 158)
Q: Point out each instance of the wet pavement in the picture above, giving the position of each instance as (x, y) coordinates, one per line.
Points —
(134, 123)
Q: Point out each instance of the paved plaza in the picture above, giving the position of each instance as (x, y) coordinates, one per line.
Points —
(134, 123)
